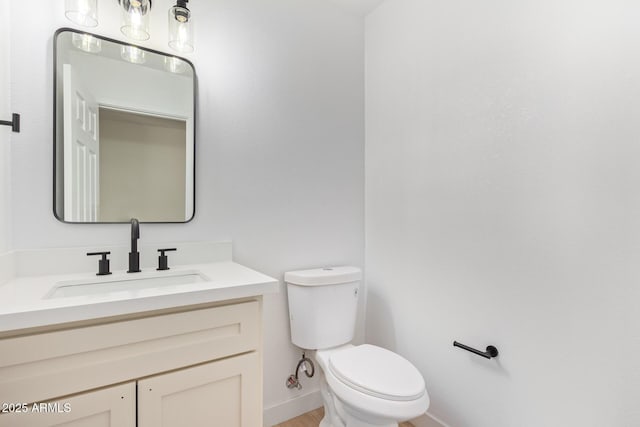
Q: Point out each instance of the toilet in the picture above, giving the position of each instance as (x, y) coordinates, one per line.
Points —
(362, 385)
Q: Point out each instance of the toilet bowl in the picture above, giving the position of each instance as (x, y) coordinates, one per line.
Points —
(372, 386)
(363, 385)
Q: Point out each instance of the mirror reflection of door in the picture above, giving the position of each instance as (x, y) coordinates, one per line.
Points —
(81, 150)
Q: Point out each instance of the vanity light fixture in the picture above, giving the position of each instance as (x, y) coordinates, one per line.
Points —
(135, 18)
(132, 54)
(86, 42)
(82, 12)
(180, 27)
(135, 22)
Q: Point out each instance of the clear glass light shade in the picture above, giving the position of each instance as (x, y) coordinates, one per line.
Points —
(82, 12)
(86, 42)
(132, 54)
(135, 19)
(174, 65)
(180, 29)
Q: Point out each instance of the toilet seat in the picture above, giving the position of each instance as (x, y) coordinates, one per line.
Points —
(378, 372)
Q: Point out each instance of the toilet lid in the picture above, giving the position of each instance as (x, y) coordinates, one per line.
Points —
(377, 372)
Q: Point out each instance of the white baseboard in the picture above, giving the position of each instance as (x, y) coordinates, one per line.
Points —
(292, 408)
(428, 420)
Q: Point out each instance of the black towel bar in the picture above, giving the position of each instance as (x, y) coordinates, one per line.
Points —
(14, 123)
(491, 350)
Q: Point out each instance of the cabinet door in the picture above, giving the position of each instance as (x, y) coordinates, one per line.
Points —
(108, 407)
(225, 393)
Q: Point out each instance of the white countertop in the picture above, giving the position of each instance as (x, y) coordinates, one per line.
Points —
(24, 302)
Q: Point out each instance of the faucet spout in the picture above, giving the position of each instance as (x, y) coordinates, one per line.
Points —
(135, 234)
(134, 255)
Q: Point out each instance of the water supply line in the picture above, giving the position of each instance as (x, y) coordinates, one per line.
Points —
(307, 366)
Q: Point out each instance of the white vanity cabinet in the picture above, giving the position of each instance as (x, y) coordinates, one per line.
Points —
(108, 407)
(193, 367)
(222, 393)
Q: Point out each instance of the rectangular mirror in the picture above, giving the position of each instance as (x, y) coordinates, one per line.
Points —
(124, 132)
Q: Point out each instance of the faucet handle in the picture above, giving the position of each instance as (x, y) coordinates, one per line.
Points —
(163, 260)
(103, 264)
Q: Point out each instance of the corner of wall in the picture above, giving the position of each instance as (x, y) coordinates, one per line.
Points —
(428, 420)
(5, 139)
(7, 267)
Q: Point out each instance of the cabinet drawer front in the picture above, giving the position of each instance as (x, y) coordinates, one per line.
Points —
(223, 393)
(47, 365)
(108, 407)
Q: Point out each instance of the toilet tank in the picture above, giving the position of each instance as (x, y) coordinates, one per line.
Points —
(323, 303)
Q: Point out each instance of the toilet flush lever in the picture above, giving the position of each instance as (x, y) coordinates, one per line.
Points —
(491, 350)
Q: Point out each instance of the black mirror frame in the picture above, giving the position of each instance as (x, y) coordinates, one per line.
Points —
(55, 124)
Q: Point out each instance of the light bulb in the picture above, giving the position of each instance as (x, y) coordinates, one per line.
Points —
(82, 12)
(135, 19)
(180, 28)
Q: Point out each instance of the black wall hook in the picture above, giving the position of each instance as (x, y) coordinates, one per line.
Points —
(491, 350)
(14, 123)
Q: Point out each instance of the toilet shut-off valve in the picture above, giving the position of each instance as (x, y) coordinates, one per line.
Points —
(292, 382)
(307, 366)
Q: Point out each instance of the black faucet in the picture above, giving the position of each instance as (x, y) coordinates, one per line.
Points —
(134, 255)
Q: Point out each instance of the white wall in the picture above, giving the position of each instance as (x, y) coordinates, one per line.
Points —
(503, 205)
(5, 131)
(280, 143)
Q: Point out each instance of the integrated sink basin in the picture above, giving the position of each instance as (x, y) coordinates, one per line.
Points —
(56, 289)
(129, 282)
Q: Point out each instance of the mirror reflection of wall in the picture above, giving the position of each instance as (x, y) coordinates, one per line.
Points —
(124, 133)
(142, 167)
